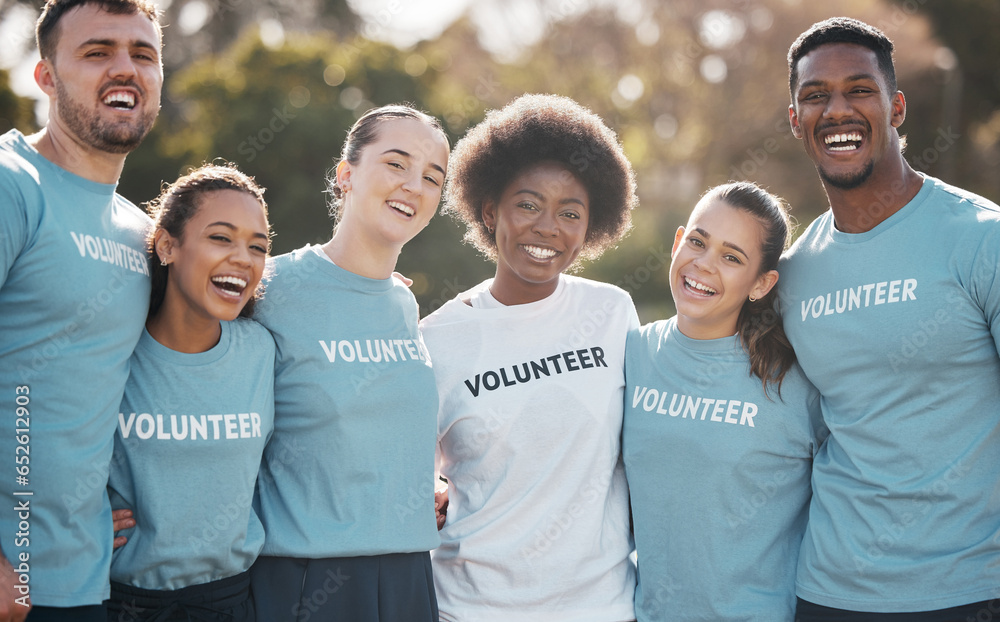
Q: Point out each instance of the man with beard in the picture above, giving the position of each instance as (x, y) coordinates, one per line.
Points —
(891, 300)
(74, 289)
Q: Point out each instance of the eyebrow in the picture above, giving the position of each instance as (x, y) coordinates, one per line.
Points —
(541, 197)
(137, 43)
(231, 226)
(407, 155)
(707, 236)
(852, 78)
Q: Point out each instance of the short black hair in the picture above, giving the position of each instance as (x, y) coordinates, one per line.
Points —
(842, 30)
(533, 129)
(46, 35)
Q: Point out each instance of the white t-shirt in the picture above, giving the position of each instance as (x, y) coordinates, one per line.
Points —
(529, 438)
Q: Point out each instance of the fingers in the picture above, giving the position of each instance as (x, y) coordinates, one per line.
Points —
(441, 507)
(122, 520)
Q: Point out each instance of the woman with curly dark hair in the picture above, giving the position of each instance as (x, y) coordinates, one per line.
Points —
(197, 411)
(529, 367)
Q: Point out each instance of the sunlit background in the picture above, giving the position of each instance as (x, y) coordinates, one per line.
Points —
(696, 89)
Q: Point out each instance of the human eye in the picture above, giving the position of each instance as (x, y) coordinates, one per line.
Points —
(696, 242)
(733, 259)
(433, 180)
(528, 205)
(259, 248)
(812, 96)
(219, 237)
(571, 215)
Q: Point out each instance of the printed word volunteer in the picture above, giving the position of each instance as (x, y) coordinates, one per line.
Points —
(195, 427)
(851, 298)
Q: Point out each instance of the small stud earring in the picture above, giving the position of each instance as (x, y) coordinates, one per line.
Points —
(752, 299)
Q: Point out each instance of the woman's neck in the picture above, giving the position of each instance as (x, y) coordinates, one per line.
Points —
(360, 255)
(183, 331)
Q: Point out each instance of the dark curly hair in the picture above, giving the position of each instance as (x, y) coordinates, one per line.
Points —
(842, 30)
(178, 203)
(533, 129)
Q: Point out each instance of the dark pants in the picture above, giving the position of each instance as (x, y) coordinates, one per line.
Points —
(90, 613)
(985, 611)
(397, 587)
(225, 600)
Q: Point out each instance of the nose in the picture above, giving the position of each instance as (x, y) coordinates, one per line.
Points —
(122, 65)
(414, 182)
(837, 106)
(704, 263)
(546, 224)
(241, 256)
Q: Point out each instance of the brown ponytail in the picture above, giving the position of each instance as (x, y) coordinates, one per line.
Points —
(759, 324)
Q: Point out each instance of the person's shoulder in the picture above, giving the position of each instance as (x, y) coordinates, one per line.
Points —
(288, 262)
(807, 239)
(653, 332)
(133, 211)
(580, 286)
(16, 169)
(963, 200)
(454, 310)
(251, 335)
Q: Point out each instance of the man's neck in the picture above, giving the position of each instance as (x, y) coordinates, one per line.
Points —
(884, 193)
(59, 148)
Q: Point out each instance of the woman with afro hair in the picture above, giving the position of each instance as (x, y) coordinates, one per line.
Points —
(530, 373)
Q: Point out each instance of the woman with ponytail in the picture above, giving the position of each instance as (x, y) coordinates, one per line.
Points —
(720, 424)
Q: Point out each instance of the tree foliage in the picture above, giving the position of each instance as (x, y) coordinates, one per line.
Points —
(696, 89)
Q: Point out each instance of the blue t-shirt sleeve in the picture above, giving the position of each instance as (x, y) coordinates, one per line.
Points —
(13, 227)
(985, 280)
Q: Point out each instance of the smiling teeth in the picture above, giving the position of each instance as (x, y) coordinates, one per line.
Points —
(699, 286)
(403, 207)
(230, 280)
(851, 137)
(540, 253)
(122, 97)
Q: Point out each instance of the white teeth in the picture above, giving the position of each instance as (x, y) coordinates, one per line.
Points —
(120, 97)
(699, 286)
(403, 207)
(843, 138)
(539, 253)
(231, 280)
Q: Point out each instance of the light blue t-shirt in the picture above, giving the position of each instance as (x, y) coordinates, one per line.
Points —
(718, 475)
(74, 290)
(350, 468)
(899, 329)
(191, 432)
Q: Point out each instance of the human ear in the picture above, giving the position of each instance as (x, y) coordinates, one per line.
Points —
(164, 245)
(343, 175)
(45, 78)
(490, 215)
(764, 284)
(898, 105)
(678, 236)
(793, 120)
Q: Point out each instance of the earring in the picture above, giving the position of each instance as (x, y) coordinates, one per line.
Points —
(752, 299)
(490, 229)
(163, 262)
